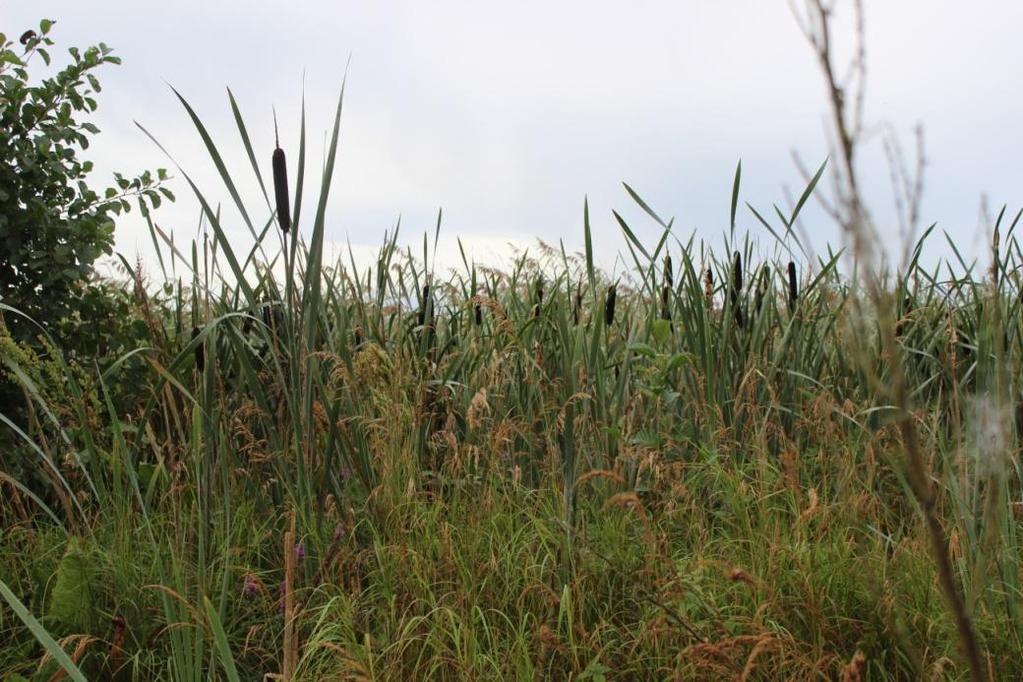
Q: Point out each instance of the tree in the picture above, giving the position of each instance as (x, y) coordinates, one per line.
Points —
(53, 226)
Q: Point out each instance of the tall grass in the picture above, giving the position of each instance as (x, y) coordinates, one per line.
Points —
(690, 470)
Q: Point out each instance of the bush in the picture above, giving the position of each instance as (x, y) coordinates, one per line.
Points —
(53, 226)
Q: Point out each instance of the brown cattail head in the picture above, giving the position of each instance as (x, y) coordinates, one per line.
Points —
(737, 288)
(666, 302)
(793, 286)
(708, 288)
(280, 168)
(281, 190)
(539, 297)
(425, 305)
(577, 311)
(200, 351)
(762, 285)
(669, 274)
(609, 304)
(477, 310)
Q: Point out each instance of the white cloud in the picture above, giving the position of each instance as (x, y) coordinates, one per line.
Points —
(507, 114)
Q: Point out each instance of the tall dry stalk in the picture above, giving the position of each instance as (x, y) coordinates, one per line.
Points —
(850, 212)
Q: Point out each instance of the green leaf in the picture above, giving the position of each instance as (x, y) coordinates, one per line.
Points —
(40, 633)
(220, 640)
(735, 192)
(807, 192)
(71, 598)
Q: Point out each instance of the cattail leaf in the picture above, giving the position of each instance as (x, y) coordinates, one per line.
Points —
(588, 235)
(247, 143)
(735, 193)
(643, 205)
(220, 641)
(806, 193)
(218, 161)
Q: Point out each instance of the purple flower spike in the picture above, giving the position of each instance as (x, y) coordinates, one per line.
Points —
(251, 587)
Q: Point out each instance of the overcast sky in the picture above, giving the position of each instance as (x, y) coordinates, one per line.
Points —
(508, 114)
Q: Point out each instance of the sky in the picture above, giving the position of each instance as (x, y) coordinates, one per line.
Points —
(508, 115)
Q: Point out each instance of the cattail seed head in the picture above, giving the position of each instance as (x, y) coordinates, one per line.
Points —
(793, 286)
(708, 288)
(426, 308)
(762, 285)
(280, 169)
(577, 310)
(666, 302)
(609, 304)
(669, 274)
(539, 297)
(737, 287)
(737, 273)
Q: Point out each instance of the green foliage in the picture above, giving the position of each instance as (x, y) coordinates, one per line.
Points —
(53, 226)
(71, 596)
(698, 481)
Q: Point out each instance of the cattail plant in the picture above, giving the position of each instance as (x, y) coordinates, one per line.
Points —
(539, 297)
(577, 309)
(762, 285)
(669, 280)
(609, 304)
(793, 286)
(425, 307)
(280, 169)
(737, 288)
(427, 320)
(708, 288)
